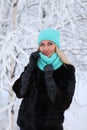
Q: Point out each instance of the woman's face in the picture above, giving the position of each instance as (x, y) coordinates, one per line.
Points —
(47, 48)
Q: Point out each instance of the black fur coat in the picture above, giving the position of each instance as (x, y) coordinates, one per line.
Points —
(37, 112)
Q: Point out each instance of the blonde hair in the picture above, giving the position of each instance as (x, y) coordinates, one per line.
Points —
(62, 56)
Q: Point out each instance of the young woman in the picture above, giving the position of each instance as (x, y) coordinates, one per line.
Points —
(46, 85)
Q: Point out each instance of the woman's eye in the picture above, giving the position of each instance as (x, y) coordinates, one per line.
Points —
(42, 44)
(50, 43)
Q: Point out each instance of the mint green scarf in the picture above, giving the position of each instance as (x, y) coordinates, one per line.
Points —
(44, 60)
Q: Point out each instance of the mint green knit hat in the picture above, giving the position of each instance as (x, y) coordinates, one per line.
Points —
(51, 35)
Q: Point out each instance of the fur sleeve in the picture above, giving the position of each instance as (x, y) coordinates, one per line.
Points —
(66, 86)
(69, 85)
(22, 84)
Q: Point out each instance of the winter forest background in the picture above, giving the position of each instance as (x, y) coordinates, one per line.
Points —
(20, 23)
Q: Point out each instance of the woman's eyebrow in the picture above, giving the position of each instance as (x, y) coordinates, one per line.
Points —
(50, 42)
(47, 42)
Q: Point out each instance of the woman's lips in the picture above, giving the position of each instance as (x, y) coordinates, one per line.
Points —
(47, 53)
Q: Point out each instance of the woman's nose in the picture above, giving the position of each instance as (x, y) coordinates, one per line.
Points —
(46, 48)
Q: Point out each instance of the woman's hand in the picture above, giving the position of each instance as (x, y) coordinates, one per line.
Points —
(34, 58)
(62, 56)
